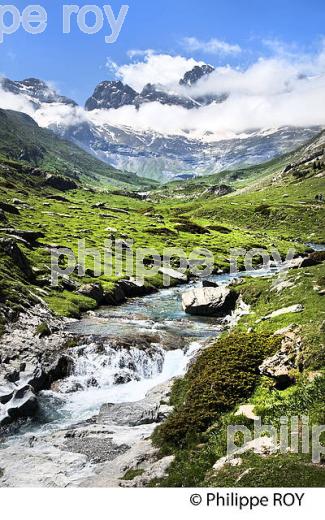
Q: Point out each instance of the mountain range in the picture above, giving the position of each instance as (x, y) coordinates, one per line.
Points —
(150, 153)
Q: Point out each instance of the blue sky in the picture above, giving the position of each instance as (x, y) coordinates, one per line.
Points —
(76, 62)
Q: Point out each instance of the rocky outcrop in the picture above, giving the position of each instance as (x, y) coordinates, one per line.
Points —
(30, 237)
(315, 258)
(19, 384)
(9, 247)
(60, 183)
(9, 208)
(209, 301)
(29, 360)
(218, 191)
(135, 288)
(22, 404)
(282, 366)
(92, 290)
(262, 446)
(115, 296)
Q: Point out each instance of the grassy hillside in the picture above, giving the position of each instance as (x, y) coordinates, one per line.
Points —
(21, 139)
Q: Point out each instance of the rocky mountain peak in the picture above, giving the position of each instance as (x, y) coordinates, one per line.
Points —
(157, 93)
(192, 76)
(36, 91)
(111, 94)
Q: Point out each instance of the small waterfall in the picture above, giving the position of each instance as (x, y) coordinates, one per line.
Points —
(102, 366)
(104, 374)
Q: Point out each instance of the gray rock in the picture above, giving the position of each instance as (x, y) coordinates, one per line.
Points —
(209, 301)
(315, 258)
(114, 297)
(282, 364)
(285, 310)
(134, 288)
(148, 410)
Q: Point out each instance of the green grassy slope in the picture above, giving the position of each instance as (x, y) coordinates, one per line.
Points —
(22, 139)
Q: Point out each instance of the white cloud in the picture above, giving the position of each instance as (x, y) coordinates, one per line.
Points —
(287, 89)
(273, 92)
(153, 68)
(213, 46)
(136, 53)
(12, 102)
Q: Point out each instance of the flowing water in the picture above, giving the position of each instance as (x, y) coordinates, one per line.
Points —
(105, 372)
(128, 350)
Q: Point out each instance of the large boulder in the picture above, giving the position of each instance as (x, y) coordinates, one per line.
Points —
(151, 409)
(209, 301)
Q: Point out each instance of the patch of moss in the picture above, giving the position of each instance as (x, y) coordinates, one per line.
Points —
(43, 330)
(70, 305)
(132, 473)
(289, 470)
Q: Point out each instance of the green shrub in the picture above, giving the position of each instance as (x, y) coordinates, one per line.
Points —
(223, 375)
(43, 330)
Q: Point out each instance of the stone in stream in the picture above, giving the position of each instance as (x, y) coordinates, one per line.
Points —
(209, 283)
(209, 301)
(148, 410)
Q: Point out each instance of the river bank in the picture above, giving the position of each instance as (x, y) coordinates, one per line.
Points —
(93, 426)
